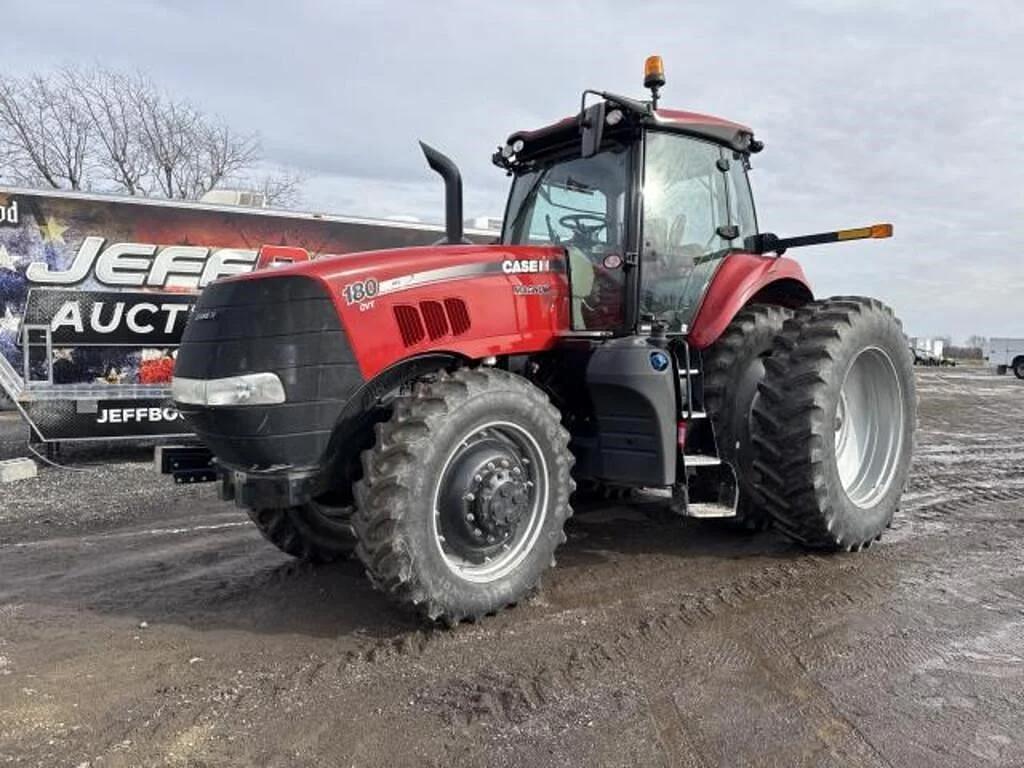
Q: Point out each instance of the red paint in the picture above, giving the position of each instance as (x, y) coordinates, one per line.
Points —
(280, 254)
(682, 118)
(502, 322)
(738, 279)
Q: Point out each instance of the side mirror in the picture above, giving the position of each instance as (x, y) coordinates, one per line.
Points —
(592, 128)
(728, 232)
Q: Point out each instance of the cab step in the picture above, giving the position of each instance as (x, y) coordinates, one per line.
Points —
(707, 510)
(701, 460)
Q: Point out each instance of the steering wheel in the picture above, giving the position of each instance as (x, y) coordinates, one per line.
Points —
(585, 226)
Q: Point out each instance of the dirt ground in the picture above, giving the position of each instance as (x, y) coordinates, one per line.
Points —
(146, 624)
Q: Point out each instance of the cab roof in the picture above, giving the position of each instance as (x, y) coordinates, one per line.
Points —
(737, 136)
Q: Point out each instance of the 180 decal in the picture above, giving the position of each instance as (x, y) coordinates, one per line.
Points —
(363, 290)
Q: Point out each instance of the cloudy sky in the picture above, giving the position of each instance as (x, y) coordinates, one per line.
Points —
(910, 111)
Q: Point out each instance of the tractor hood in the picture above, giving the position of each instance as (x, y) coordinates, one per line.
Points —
(473, 300)
(270, 361)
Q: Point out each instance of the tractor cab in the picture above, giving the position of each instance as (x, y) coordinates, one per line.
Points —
(647, 204)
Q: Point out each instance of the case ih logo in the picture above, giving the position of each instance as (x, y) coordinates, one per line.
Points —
(143, 264)
(519, 266)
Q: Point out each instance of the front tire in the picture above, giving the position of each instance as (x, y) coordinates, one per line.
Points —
(834, 425)
(733, 367)
(464, 495)
(315, 532)
(1018, 368)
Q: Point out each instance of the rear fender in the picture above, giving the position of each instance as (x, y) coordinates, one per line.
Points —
(742, 279)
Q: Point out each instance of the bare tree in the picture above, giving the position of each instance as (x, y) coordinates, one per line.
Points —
(216, 154)
(279, 190)
(46, 138)
(85, 128)
(109, 100)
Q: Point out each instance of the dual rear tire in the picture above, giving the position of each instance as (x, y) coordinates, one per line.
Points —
(833, 427)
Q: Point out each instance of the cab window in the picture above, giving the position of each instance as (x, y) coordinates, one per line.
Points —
(685, 202)
(580, 204)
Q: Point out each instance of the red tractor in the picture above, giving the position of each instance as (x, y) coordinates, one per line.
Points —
(432, 409)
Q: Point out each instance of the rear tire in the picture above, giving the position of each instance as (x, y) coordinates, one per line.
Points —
(733, 368)
(464, 495)
(315, 532)
(1018, 368)
(834, 425)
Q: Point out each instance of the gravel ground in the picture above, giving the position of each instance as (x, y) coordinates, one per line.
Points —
(147, 624)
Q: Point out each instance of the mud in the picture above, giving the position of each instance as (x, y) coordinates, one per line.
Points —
(143, 624)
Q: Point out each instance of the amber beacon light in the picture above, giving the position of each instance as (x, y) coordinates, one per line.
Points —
(654, 77)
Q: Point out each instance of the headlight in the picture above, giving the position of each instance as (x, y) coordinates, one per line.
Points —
(251, 389)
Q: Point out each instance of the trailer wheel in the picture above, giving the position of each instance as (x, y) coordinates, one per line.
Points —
(733, 367)
(1018, 367)
(834, 425)
(1000, 370)
(464, 495)
(315, 532)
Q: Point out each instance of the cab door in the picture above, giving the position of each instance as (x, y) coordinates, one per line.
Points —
(695, 198)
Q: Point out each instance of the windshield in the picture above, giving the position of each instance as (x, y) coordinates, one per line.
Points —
(580, 204)
(692, 189)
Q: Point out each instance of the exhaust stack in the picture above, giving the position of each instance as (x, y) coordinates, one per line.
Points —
(448, 171)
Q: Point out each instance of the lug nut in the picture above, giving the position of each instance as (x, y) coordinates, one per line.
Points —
(517, 471)
(490, 465)
(478, 478)
(470, 517)
(469, 497)
(504, 462)
(478, 533)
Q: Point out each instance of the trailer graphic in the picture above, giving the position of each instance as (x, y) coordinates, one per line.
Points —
(95, 292)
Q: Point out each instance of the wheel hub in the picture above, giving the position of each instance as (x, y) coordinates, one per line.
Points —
(499, 499)
(487, 496)
(868, 427)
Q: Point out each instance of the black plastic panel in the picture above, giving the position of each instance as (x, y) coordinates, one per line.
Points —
(635, 407)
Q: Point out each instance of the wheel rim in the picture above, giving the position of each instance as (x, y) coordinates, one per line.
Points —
(869, 427)
(490, 502)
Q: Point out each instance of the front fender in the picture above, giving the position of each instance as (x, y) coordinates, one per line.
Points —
(741, 279)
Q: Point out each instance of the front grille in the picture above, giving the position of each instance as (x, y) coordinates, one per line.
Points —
(287, 325)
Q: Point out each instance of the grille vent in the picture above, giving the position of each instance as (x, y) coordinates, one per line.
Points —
(409, 324)
(435, 319)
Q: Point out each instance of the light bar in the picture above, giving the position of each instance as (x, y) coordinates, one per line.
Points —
(767, 242)
(250, 389)
(862, 233)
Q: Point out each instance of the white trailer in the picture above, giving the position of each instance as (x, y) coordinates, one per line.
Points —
(1006, 355)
